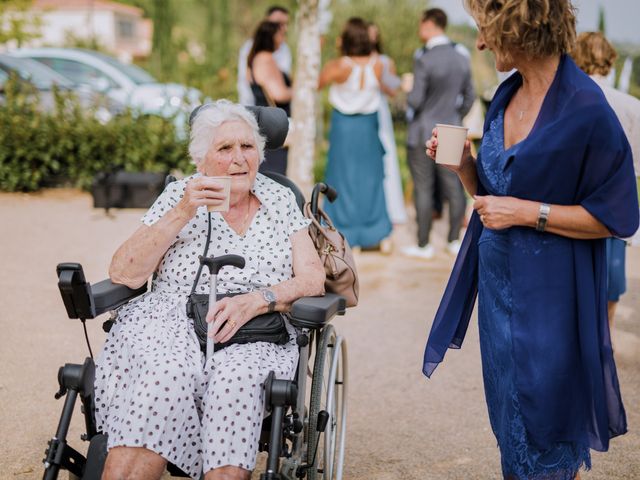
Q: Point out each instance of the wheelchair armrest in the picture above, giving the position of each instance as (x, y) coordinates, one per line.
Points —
(315, 312)
(109, 296)
(84, 301)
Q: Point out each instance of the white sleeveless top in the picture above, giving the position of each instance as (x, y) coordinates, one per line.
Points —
(355, 95)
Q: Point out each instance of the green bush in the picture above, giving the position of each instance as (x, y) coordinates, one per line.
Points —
(70, 146)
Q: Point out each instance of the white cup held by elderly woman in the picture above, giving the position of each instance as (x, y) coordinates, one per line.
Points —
(451, 139)
(225, 182)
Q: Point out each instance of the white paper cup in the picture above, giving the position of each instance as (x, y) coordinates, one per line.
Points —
(226, 183)
(451, 140)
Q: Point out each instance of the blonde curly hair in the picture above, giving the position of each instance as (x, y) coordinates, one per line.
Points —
(594, 54)
(535, 28)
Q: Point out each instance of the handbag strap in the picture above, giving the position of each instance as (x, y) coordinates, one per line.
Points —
(323, 216)
(204, 255)
(319, 227)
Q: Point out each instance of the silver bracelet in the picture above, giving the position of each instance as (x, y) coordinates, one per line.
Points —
(543, 216)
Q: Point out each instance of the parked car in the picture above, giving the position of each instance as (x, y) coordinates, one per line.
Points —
(43, 79)
(127, 84)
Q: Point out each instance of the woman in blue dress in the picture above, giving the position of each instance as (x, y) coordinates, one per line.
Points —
(552, 180)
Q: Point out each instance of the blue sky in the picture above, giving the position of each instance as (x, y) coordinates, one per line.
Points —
(622, 16)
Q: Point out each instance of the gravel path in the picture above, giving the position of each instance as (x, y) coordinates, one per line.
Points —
(401, 425)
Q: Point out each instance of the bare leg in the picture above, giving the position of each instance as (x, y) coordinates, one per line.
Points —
(228, 473)
(133, 463)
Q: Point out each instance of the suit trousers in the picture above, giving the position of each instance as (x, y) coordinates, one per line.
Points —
(424, 171)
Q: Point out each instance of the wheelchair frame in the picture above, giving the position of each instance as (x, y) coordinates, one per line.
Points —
(301, 440)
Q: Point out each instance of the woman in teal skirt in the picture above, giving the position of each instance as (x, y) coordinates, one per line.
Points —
(355, 165)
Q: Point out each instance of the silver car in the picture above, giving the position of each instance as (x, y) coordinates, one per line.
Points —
(124, 83)
(43, 79)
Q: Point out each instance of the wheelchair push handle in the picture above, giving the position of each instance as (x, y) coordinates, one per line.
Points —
(328, 191)
(214, 264)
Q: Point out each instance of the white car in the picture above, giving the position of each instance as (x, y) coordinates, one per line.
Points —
(126, 84)
(43, 80)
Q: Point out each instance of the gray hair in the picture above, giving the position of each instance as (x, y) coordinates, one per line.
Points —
(210, 117)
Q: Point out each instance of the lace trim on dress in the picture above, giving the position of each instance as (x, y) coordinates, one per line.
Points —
(522, 461)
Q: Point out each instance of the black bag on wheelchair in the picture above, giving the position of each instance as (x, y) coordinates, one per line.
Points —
(269, 327)
(126, 189)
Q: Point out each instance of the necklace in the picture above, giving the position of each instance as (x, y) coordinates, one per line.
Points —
(521, 111)
(531, 103)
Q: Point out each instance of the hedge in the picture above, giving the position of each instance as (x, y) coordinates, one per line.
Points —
(69, 146)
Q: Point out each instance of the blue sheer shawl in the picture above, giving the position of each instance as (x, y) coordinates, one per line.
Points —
(576, 154)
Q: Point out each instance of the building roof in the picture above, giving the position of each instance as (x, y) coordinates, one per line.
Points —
(88, 5)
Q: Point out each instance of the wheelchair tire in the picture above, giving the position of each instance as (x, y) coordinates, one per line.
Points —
(328, 392)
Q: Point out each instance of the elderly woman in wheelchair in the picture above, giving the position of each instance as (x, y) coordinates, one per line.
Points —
(155, 395)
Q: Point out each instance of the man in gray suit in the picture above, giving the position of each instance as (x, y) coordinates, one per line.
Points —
(442, 92)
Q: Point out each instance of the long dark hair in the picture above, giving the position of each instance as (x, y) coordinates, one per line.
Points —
(263, 40)
(355, 38)
(377, 44)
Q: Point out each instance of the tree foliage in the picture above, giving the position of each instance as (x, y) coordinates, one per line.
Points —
(17, 24)
(70, 146)
(207, 35)
(602, 28)
(398, 26)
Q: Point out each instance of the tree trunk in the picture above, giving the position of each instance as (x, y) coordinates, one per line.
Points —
(303, 107)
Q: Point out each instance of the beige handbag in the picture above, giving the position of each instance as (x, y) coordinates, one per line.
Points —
(335, 254)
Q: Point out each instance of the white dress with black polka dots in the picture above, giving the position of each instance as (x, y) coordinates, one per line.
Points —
(152, 387)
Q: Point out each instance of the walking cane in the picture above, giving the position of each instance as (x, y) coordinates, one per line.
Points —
(215, 264)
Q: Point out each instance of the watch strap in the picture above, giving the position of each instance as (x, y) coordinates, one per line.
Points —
(270, 298)
(543, 216)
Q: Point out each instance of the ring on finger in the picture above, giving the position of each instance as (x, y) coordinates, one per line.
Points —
(232, 324)
(482, 218)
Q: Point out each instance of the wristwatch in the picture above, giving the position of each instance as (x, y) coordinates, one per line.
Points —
(270, 298)
(543, 215)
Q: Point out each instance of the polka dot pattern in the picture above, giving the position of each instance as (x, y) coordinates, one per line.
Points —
(153, 389)
(265, 246)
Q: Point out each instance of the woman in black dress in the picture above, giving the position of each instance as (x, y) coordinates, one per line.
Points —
(269, 85)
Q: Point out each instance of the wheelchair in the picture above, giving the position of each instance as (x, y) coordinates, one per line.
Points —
(304, 429)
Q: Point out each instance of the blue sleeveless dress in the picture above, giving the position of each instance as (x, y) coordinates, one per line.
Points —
(520, 459)
(355, 168)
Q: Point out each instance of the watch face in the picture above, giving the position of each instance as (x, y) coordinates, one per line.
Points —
(269, 296)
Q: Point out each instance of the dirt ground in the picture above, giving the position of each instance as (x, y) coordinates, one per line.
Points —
(400, 425)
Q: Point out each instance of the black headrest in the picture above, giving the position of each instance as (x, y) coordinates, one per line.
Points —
(272, 121)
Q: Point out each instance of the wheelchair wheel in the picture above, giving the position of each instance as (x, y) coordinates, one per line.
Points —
(328, 392)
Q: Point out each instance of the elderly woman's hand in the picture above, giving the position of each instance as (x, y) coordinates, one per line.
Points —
(201, 191)
(231, 313)
(498, 213)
